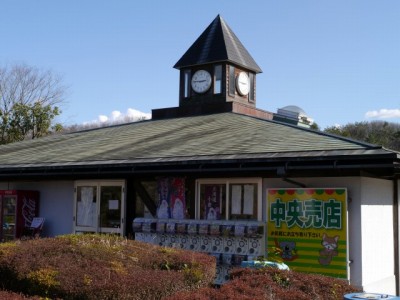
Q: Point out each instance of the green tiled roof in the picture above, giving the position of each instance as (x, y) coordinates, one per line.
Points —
(217, 136)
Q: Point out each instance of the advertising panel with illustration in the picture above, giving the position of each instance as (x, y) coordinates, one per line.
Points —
(307, 229)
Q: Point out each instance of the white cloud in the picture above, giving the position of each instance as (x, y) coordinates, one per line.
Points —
(137, 115)
(102, 119)
(383, 113)
(116, 116)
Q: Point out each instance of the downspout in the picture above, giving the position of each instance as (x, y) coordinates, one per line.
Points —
(396, 231)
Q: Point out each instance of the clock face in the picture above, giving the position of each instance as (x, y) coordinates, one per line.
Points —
(201, 81)
(242, 84)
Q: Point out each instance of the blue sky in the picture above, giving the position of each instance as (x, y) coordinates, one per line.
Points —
(338, 60)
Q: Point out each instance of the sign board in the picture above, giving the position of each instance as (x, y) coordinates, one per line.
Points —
(307, 229)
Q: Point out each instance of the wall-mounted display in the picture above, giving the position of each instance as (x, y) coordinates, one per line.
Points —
(309, 229)
(171, 198)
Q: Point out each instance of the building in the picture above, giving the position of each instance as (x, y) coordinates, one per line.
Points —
(220, 163)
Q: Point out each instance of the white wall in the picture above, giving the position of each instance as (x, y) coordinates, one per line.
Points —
(56, 203)
(370, 227)
(377, 235)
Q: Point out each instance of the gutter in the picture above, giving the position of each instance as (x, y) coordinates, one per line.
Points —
(280, 169)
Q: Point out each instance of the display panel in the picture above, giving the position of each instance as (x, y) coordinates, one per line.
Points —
(243, 202)
(212, 201)
(307, 229)
(229, 199)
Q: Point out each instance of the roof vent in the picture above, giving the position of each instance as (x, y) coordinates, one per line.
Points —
(293, 114)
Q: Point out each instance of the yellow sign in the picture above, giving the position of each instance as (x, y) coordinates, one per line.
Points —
(307, 229)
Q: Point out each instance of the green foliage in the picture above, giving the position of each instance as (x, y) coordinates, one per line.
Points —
(314, 126)
(27, 121)
(43, 281)
(377, 132)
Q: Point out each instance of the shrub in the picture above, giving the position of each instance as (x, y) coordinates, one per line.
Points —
(270, 283)
(5, 295)
(101, 267)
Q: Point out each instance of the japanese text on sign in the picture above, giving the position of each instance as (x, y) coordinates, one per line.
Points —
(307, 213)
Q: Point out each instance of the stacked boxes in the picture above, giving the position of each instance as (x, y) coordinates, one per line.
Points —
(230, 242)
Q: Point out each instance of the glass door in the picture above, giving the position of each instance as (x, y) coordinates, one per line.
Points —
(9, 217)
(110, 208)
(99, 206)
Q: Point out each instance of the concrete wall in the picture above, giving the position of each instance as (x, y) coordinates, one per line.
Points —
(370, 228)
(56, 203)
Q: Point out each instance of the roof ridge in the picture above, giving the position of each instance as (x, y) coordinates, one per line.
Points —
(327, 134)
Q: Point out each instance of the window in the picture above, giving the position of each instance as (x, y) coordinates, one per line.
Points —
(252, 87)
(242, 201)
(231, 80)
(228, 199)
(217, 79)
(186, 83)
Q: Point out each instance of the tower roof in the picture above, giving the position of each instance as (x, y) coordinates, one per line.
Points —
(216, 44)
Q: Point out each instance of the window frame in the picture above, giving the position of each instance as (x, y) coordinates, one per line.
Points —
(186, 83)
(96, 228)
(217, 79)
(252, 92)
(232, 81)
(227, 182)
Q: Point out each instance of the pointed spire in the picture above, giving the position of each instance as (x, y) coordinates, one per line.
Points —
(216, 44)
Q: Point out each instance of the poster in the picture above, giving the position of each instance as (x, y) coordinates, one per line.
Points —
(163, 209)
(248, 204)
(171, 198)
(213, 202)
(177, 198)
(236, 200)
(307, 229)
(86, 208)
(113, 204)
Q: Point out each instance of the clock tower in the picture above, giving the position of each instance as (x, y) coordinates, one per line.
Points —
(217, 74)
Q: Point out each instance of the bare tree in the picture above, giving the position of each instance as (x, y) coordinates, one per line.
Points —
(29, 90)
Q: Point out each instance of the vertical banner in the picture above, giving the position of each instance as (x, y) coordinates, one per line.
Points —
(178, 203)
(307, 229)
(163, 209)
(171, 198)
(213, 202)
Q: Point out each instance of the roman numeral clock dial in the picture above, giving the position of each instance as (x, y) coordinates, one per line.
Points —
(201, 81)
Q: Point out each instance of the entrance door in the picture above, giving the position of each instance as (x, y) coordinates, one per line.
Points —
(99, 206)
